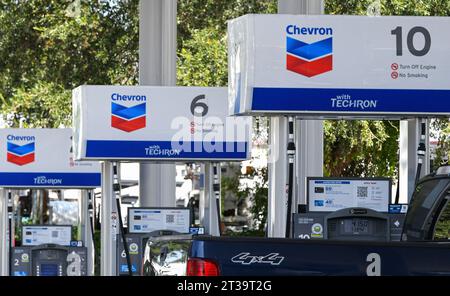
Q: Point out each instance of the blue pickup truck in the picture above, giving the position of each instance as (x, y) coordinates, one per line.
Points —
(420, 253)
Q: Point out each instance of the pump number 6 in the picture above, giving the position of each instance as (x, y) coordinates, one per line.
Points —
(196, 105)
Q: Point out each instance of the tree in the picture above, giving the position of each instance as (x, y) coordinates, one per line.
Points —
(202, 38)
(46, 50)
(361, 148)
(203, 60)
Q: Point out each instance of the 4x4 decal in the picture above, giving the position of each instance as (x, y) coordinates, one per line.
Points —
(247, 259)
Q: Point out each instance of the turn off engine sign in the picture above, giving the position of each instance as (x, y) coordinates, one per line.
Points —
(339, 65)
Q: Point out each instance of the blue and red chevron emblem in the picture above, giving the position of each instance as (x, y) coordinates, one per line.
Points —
(128, 119)
(20, 155)
(309, 59)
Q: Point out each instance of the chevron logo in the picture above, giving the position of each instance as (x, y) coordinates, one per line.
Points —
(128, 119)
(309, 59)
(20, 155)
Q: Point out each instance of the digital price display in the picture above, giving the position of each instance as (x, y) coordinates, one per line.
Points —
(356, 226)
(332, 194)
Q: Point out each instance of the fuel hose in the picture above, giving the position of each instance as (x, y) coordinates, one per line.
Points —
(117, 189)
(290, 185)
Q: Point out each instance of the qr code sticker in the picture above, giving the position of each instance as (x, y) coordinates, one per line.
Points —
(170, 218)
(55, 234)
(362, 192)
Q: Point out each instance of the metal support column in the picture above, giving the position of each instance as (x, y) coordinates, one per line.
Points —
(208, 203)
(203, 207)
(409, 141)
(276, 222)
(309, 139)
(309, 154)
(86, 234)
(109, 223)
(216, 197)
(157, 66)
(4, 235)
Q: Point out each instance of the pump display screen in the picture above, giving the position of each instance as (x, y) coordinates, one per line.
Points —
(332, 194)
(146, 220)
(356, 226)
(34, 235)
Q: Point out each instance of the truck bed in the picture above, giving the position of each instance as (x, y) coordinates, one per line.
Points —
(290, 257)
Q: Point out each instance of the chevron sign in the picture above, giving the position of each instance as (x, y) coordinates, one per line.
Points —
(309, 59)
(128, 117)
(20, 154)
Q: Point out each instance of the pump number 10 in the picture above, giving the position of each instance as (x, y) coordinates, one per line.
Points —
(418, 52)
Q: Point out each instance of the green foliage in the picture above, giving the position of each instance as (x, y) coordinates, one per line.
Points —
(45, 104)
(232, 184)
(202, 38)
(203, 60)
(42, 46)
(259, 198)
(361, 148)
(441, 131)
(256, 189)
(442, 230)
(194, 15)
(389, 7)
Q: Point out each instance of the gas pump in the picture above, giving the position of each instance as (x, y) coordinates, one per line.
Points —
(41, 159)
(38, 257)
(349, 209)
(143, 223)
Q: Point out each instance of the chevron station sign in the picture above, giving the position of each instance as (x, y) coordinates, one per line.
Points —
(42, 158)
(157, 123)
(329, 66)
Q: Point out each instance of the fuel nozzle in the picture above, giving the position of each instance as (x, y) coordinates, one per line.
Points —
(422, 148)
(291, 143)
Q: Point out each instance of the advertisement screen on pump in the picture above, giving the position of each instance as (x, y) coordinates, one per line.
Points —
(333, 194)
(157, 123)
(146, 220)
(35, 235)
(330, 66)
(43, 158)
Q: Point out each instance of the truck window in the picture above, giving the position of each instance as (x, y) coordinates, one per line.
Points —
(442, 229)
(424, 209)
